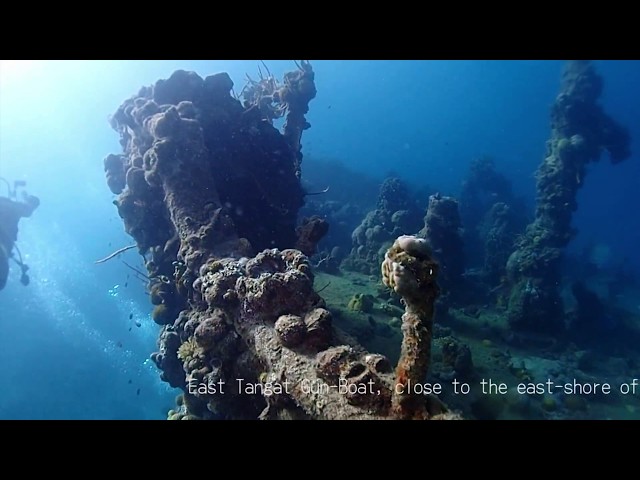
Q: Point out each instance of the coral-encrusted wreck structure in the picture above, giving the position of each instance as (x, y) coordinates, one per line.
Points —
(580, 132)
(396, 214)
(210, 191)
(442, 230)
(492, 217)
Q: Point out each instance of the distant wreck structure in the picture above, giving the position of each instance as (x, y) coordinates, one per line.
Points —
(210, 191)
(492, 217)
(396, 214)
(442, 231)
(580, 132)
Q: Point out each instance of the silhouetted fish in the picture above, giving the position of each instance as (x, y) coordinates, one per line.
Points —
(130, 328)
(130, 316)
(119, 344)
(130, 381)
(138, 323)
(138, 392)
(126, 284)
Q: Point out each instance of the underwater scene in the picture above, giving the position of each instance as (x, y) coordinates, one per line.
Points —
(324, 239)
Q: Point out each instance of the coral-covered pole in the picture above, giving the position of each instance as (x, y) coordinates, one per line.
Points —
(580, 131)
(299, 90)
(192, 201)
(409, 270)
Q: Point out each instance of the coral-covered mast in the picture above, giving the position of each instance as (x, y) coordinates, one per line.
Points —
(580, 132)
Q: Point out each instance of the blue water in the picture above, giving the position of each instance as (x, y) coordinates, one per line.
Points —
(68, 348)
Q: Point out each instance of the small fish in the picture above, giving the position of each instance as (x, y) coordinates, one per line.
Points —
(119, 344)
(126, 284)
(109, 243)
(130, 381)
(138, 392)
(130, 328)
(138, 323)
(130, 316)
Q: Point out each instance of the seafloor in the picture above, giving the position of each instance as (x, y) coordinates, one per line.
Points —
(497, 354)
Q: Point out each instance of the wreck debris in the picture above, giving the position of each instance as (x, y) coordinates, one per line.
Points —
(442, 230)
(273, 100)
(209, 184)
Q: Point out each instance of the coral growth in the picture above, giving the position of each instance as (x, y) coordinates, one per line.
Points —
(309, 233)
(350, 196)
(456, 357)
(442, 230)
(409, 270)
(396, 214)
(244, 335)
(115, 173)
(162, 315)
(492, 217)
(276, 313)
(580, 132)
(498, 229)
(361, 302)
(236, 159)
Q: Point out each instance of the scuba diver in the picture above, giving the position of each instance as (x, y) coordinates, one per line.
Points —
(11, 211)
